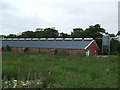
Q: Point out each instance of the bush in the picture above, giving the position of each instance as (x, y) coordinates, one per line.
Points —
(62, 53)
(113, 53)
(8, 48)
(81, 54)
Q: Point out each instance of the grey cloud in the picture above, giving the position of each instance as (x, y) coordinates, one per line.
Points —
(119, 15)
(13, 24)
(8, 7)
(73, 15)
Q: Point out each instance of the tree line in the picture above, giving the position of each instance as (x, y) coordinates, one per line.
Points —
(93, 31)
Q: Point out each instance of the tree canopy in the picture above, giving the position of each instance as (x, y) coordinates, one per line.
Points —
(93, 31)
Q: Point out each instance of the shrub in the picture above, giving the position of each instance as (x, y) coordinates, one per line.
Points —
(62, 53)
(113, 53)
(8, 48)
(81, 54)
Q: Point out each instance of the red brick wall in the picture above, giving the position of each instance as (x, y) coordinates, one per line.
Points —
(40, 49)
(74, 51)
(16, 49)
(20, 49)
(71, 51)
(34, 49)
(45, 50)
(60, 49)
(94, 49)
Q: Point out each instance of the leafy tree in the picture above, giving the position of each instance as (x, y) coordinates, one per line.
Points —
(63, 35)
(27, 34)
(12, 35)
(94, 31)
(77, 32)
(51, 32)
(39, 29)
(47, 32)
(114, 46)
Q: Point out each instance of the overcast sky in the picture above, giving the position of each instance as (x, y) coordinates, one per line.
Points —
(21, 15)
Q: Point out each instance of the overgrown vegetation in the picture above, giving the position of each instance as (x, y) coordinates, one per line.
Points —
(8, 48)
(58, 71)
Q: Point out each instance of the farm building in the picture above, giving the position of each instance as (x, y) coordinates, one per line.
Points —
(71, 46)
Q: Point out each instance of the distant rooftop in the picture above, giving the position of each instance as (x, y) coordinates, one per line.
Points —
(70, 44)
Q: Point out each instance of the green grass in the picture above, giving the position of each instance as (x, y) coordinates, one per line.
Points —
(59, 71)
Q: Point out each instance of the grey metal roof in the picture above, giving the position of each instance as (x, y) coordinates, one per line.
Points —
(81, 44)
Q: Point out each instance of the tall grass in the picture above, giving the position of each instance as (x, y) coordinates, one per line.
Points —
(54, 71)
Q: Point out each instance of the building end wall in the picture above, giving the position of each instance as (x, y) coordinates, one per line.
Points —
(93, 48)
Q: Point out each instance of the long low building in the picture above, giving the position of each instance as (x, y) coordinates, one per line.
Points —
(71, 46)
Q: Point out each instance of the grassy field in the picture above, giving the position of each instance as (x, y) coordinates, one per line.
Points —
(41, 70)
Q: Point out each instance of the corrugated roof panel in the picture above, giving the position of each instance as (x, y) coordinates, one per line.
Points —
(51, 39)
(9, 38)
(15, 38)
(48, 44)
(28, 38)
(59, 39)
(68, 39)
(88, 38)
(78, 39)
(21, 39)
(35, 38)
(43, 38)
